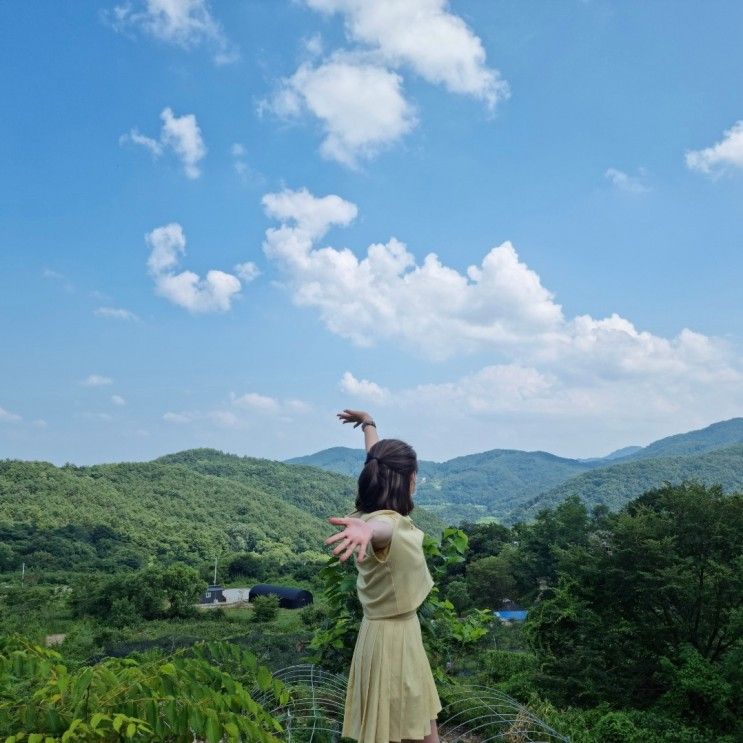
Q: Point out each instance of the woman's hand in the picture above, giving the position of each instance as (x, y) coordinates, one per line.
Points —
(357, 417)
(357, 534)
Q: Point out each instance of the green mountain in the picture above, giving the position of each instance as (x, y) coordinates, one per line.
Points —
(349, 462)
(619, 483)
(503, 484)
(625, 451)
(486, 485)
(189, 506)
(494, 483)
(716, 436)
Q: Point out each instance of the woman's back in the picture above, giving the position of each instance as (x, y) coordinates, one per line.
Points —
(394, 580)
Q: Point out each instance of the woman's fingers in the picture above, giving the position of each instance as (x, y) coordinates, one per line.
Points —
(335, 537)
(349, 551)
(341, 547)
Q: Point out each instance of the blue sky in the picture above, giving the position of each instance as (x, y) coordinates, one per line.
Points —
(575, 168)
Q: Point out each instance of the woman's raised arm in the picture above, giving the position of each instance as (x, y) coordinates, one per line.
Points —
(363, 419)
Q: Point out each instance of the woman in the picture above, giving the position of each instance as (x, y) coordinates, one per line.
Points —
(391, 693)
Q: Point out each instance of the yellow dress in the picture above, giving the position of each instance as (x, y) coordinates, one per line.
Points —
(391, 694)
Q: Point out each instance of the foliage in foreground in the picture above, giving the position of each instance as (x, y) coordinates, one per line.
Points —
(203, 692)
(445, 634)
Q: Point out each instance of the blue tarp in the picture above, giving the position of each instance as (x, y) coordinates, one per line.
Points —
(513, 616)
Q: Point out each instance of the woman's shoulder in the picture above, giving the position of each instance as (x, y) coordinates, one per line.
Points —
(383, 513)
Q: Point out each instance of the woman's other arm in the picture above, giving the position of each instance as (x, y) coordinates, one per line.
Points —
(357, 534)
(359, 418)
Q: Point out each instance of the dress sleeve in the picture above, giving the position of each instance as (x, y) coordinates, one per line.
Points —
(381, 555)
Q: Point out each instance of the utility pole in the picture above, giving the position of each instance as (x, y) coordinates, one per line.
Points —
(215, 572)
(23, 572)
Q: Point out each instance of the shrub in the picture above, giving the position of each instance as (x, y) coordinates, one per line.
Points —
(265, 608)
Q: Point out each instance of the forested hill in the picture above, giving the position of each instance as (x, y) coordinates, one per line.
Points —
(189, 506)
(716, 436)
(509, 484)
(349, 462)
(616, 485)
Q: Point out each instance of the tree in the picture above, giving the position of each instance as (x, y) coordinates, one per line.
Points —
(265, 608)
(665, 576)
(541, 544)
(491, 579)
(154, 593)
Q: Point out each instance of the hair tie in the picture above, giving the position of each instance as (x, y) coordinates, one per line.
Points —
(369, 459)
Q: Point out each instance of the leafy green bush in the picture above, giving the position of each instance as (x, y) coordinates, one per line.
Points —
(266, 608)
(203, 692)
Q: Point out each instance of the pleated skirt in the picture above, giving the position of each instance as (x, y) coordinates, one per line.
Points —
(391, 694)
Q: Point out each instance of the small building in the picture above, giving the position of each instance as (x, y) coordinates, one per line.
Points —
(236, 595)
(289, 598)
(214, 595)
(511, 612)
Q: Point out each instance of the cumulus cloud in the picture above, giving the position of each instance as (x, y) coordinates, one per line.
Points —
(115, 313)
(183, 23)
(727, 152)
(625, 182)
(360, 105)
(357, 94)
(96, 380)
(499, 306)
(7, 417)
(240, 411)
(247, 271)
(386, 295)
(425, 36)
(257, 403)
(363, 388)
(213, 293)
(181, 134)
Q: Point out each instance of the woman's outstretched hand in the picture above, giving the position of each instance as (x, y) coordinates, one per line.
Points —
(357, 417)
(357, 534)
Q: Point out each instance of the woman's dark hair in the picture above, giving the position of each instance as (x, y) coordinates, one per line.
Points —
(386, 478)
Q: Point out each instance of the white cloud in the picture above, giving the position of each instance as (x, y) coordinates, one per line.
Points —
(425, 36)
(499, 306)
(181, 134)
(7, 417)
(134, 135)
(247, 271)
(357, 94)
(360, 105)
(213, 293)
(386, 295)
(178, 418)
(629, 183)
(96, 380)
(240, 411)
(728, 151)
(363, 388)
(312, 216)
(118, 400)
(51, 275)
(115, 313)
(571, 412)
(183, 23)
(104, 417)
(256, 401)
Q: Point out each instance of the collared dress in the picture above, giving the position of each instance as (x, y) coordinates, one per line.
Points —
(391, 693)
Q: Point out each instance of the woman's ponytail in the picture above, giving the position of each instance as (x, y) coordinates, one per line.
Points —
(386, 479)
